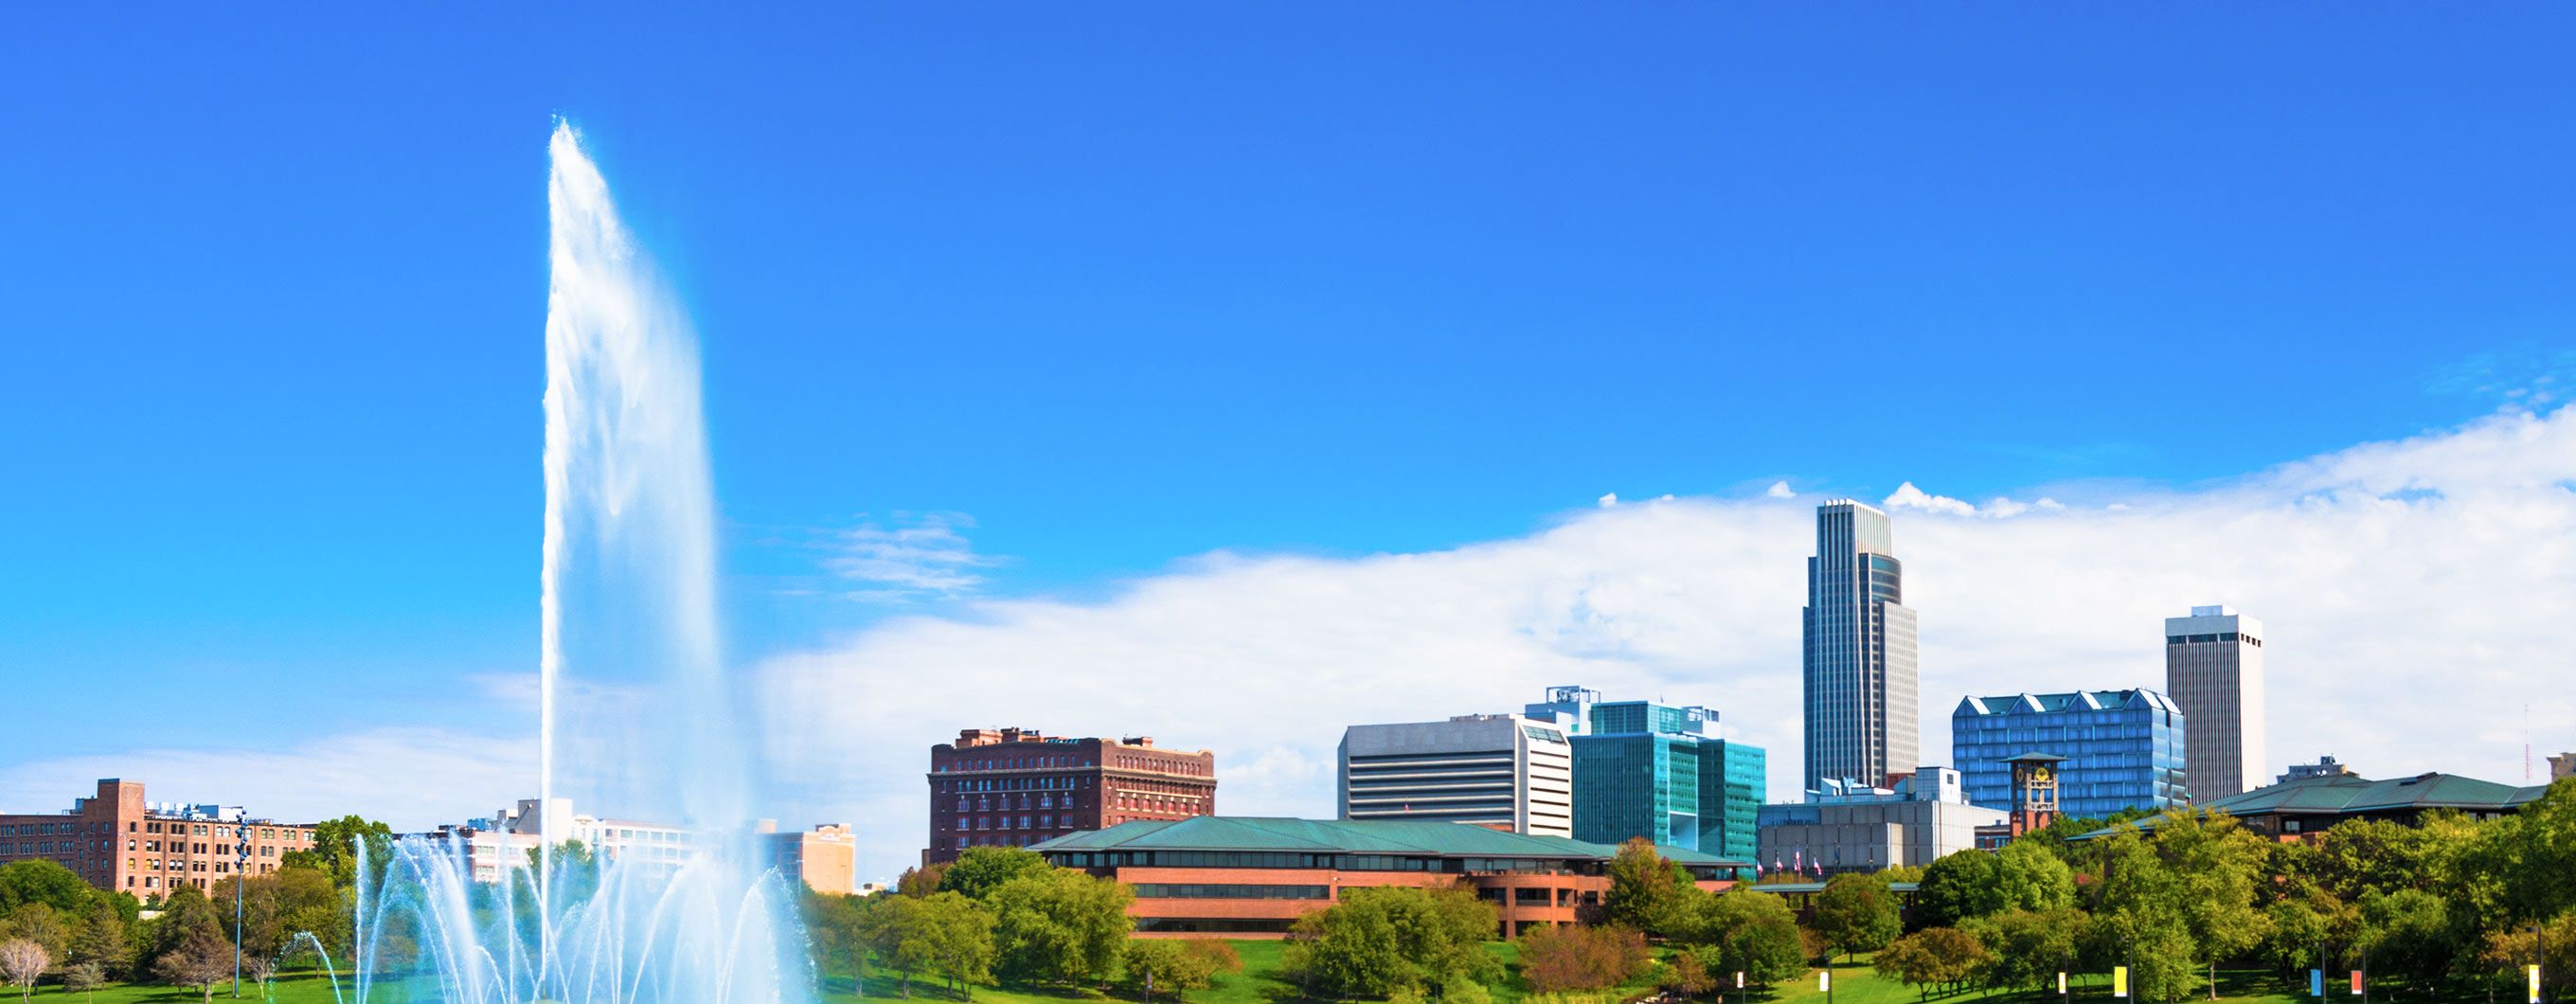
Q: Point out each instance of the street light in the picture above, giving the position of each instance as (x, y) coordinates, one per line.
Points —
(241, 866)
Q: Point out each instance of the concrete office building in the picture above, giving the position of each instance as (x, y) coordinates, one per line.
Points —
(1863, 709)
(1660, 771)
(2214, 672)
(1506, 772)
(2122, 749)
(1851, 829)
(2326, 766)
(825, 858)
(1016, 787)
(494, 845)
(2562, 765)
(116, 841)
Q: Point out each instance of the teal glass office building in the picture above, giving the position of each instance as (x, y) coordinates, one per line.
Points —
(1660, 771)
(2123, 748)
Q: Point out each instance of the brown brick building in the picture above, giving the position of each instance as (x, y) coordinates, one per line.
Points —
(119, 842)
(1015, 787)
(1252, 877)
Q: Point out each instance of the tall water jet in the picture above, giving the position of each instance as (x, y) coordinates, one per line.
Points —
(636, 715)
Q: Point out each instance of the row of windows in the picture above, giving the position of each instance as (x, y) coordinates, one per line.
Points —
(1165, 890)
(2204, 639)
(1013, 784)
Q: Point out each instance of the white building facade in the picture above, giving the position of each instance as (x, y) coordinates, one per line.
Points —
(1504, 771)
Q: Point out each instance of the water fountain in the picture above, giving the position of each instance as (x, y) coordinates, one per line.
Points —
(635, 708)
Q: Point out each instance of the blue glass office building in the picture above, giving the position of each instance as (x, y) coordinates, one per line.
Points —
(1660, 771)
(2123, 748)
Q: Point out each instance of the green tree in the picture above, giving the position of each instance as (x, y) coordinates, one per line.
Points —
(336, 845)
(962, 946)
(1647, 891)
(2028, 948)
(1059, 926)
(1751, 932)
(941, 933)
(1377, 941)
(834, 928)
(39, 923)
(980, 870)
(103, 940)
(1857, 913)
(1175, 965)
(2407, 934)
(40, 881)
(1958, 886)
(2032, 878)
(1932, 957)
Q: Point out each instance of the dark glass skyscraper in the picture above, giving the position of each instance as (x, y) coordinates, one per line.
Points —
(1863, 713)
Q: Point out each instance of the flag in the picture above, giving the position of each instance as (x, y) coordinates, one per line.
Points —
(2119, 981)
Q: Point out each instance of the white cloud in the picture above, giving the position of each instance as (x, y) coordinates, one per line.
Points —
(412, 778)
(1607, 501)
(1780, 490)
(2416, 594)
(917, 555)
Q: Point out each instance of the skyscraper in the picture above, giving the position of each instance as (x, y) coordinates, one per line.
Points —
(2214, 671)
(2118, 749)
(1863, 716)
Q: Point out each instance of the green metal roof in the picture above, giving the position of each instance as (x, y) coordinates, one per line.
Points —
(1346, 836)
(2351, 794)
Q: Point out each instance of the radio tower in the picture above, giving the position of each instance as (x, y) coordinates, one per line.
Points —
(2526, 742)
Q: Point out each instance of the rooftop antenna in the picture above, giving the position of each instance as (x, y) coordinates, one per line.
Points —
(2526, 742)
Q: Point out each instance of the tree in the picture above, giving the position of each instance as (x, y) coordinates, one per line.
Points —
(1377, 941)
(1932, 957)
(84, 979)
(1059, 926)
(22, 962)
(336, 847)
(2027, 948)
(1557, 959)
(2032, 878)
(833, 926)
(261, 969)
(1176, 965)
(1958, 886)
(1751, 932)
(980, 870)
(201, 959)
(39, 923)
(942, 933)
(961, 948)
(1647, 891)
(40, 881)
(2408, 934)
(1856, 913)
(922, 881)
(1688, 976)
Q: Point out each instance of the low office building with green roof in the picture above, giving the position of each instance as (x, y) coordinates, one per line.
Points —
(1254, 876)
(2303, 806)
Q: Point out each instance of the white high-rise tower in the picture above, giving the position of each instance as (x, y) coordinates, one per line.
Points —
(2214, 672)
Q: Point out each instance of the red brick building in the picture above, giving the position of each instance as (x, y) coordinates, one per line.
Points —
(117, 841)
(1252, 877)
(1015, 787)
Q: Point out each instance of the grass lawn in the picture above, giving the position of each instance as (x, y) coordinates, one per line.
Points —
(1259, 983)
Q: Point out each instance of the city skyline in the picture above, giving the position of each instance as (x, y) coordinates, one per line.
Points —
(1266, 381)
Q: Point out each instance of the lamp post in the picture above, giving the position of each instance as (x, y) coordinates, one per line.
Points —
(241, 868)
(2539, 965)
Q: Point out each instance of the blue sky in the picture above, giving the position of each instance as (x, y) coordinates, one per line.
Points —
(1127, 284)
